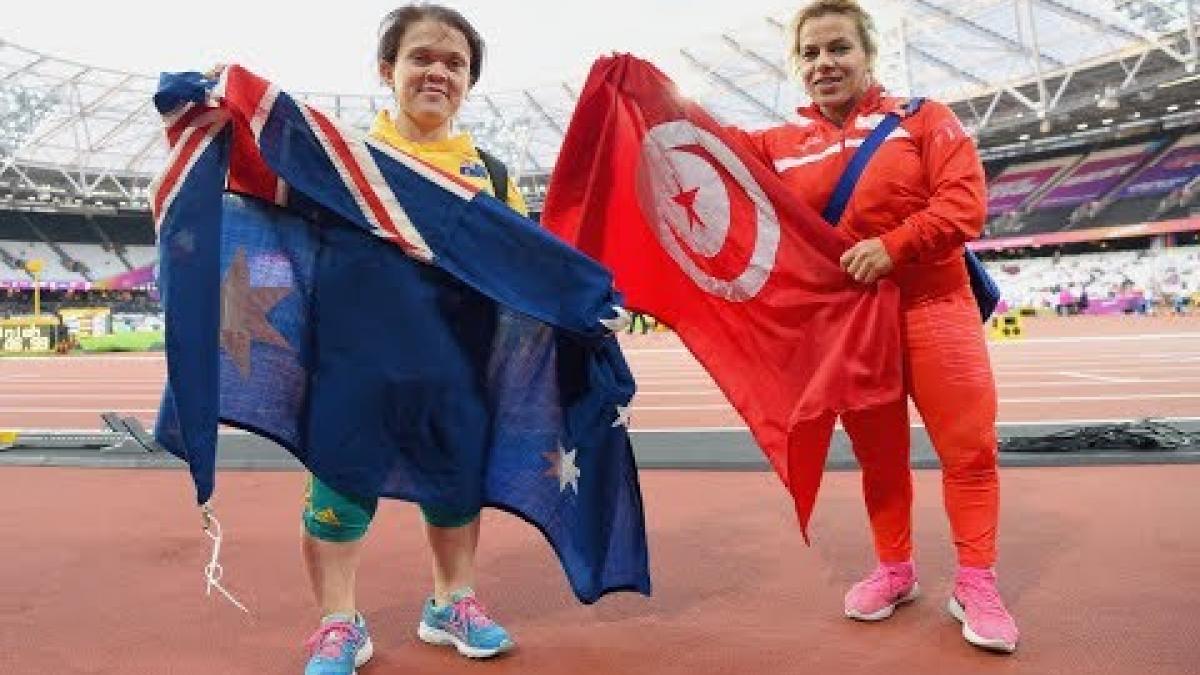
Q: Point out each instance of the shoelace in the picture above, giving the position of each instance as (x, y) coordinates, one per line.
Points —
(331, 639)
(470, 613)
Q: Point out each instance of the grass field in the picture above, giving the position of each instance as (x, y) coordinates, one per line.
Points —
(123, 342)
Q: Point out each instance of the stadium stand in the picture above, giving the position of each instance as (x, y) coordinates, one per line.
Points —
(140, 256)
(1137, 281)
(1114, 183)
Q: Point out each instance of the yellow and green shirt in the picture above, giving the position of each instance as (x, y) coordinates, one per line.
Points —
(456, 156)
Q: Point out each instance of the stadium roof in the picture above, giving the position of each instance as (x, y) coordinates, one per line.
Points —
(1012, 69)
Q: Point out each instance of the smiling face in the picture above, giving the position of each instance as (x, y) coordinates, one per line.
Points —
(834, 64)
(429, 78)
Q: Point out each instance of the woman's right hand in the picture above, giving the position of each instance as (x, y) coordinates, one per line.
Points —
(214, 73)
(867, 261)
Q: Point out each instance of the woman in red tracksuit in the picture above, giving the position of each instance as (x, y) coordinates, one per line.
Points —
(921, 197)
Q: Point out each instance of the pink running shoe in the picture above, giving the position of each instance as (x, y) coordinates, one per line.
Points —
(877, 596)
(976, 603)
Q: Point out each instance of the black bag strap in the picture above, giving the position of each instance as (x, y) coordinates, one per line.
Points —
(498, 172)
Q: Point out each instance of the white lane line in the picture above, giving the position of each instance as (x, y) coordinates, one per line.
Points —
(656, 350)
(700, 406)
(1129, 397)
(1095, 338)
(1106, 368)
(694, 392)
(98, 385)
(124, 411)
(1098, 378)
(106, 380)
(85, 395)
(1052, 384)
(1087, 357)
(1007, 344)
(1085, 381)
(921, 425)
(226, 431)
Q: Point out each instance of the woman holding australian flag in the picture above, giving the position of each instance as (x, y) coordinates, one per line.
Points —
(369, 305)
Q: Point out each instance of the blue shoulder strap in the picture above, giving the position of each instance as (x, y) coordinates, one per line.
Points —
(983, 287)
(845, 186)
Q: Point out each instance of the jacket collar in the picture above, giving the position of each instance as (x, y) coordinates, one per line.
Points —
(874, 100)
(385, 130)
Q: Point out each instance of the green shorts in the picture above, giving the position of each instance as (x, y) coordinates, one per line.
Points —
(333, 516)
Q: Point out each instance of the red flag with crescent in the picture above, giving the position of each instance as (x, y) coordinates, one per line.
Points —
(701, 234)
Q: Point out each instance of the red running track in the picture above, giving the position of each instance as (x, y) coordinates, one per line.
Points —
(1098, 565)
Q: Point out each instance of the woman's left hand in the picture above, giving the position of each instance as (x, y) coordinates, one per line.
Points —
(867, 261)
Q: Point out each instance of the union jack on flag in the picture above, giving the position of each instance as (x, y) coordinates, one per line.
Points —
(400, 332)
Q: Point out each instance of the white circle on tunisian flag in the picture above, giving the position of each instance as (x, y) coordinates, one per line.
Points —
(707, 211)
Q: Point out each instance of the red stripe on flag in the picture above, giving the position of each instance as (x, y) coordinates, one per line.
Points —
(340, 147)
(244, 91)
(181, 125)
(248, 173)
(174, 173)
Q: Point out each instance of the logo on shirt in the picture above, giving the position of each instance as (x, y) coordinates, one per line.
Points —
(327, 516)
(473, 169)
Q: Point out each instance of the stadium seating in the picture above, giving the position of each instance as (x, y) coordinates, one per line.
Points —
(1132, 181)
(1113, 282)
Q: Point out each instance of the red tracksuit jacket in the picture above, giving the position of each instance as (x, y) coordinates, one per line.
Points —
(923, 192)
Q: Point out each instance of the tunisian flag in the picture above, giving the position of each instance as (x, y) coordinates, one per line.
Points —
(704, 236)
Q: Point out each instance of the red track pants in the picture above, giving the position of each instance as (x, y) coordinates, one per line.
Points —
(949, 377)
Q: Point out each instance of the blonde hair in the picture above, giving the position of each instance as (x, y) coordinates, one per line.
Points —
(848, 8)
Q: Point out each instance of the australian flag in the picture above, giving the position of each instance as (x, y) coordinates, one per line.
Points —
(400, 332)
